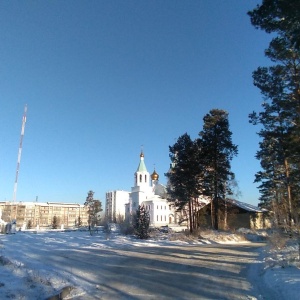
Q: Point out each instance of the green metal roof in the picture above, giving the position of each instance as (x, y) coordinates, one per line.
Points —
(142, 167)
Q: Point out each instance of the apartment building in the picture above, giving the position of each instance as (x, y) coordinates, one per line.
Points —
(115, 205)
(42, 214)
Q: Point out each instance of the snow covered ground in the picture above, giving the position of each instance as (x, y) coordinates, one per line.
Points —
(25, 273)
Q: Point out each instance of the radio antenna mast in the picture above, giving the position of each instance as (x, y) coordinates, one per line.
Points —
(19, 153)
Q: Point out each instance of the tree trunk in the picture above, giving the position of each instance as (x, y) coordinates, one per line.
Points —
(190, 216)
(216, 205)
(287, 172)
(216, 201)
(194, 214)
(225, 216)
(212, 213)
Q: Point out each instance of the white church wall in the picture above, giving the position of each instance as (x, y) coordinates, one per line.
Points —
(161, 213)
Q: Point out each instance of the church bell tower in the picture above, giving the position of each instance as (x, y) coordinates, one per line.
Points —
(142, 176)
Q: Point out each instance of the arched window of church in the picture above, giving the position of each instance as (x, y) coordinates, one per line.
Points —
(140, 177)
(145, 178)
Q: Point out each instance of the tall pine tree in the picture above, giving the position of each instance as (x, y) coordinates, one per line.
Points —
(184, 175)
(217, 151)
(279, 84)
(94, 207)
(142, 222)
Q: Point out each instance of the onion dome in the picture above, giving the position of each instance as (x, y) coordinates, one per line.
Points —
(154, 175)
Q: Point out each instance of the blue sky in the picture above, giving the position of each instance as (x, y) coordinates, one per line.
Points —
(102, 78)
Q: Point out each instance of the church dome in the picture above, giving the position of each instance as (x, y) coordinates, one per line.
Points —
(154, 175)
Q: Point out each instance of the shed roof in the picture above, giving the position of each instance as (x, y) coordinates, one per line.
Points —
(242, 205)
(246, 206)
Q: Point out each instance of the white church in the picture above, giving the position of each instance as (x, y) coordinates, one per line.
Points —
(148, 192)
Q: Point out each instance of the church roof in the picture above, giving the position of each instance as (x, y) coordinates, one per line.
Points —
(142, 166)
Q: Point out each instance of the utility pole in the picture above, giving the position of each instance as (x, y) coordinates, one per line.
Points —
(19, 154)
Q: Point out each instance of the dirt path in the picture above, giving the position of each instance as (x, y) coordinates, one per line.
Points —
(193, 272)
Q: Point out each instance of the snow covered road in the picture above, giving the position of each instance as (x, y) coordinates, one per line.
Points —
(36, 266)
(198, 272)
(125, 268)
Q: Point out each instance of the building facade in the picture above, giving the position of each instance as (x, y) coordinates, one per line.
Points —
(234, 214)
(42, 214)
(115, 205)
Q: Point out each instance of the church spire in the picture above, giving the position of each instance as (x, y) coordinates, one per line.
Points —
(142, 176)
(142, 166)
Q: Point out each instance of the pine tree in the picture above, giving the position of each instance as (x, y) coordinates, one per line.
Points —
(278, 16)
(55, 222)
(29, 224)
(184, 176)
(142, 223)
(79, 222)
(217, 150)
(94, 207)
(279, 84)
